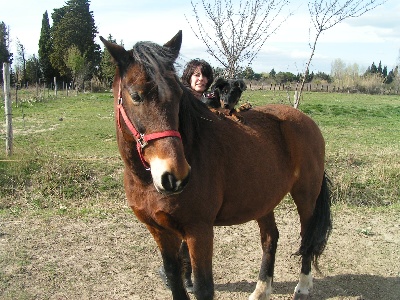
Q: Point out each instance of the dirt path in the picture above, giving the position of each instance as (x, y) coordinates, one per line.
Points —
(112, 256)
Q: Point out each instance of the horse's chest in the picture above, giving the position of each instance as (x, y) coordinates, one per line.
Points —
(152, 210)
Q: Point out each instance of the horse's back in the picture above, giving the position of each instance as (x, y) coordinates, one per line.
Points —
(283, 113)
(296, 126)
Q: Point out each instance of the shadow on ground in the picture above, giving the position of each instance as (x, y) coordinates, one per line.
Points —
(364, 287)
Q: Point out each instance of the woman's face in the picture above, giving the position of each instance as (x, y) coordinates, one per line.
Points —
(198, 82)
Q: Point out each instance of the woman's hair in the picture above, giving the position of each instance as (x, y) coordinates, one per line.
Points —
(191, 66)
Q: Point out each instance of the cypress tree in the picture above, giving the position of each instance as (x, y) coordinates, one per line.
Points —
(374, 69)
(379, 70)
(384, 71)
(107, 67)
(45, 49)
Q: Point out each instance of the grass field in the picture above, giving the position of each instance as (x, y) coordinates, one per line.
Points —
(65, 150)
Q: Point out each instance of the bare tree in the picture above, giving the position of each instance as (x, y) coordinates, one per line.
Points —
(239, 29)
(327, 13)
(21, 52)
(396, 73)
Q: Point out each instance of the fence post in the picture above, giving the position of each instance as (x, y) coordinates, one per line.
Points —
(55, 86)
(7, 108)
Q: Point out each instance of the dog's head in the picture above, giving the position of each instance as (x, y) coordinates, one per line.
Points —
(228, 91)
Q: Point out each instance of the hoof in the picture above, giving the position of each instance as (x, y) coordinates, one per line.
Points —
(189, 286)
(259, 297)
(300, 297)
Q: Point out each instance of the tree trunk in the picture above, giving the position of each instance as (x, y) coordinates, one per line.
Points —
(307, 71)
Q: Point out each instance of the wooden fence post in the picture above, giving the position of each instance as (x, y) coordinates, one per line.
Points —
(55, 86)
(7, 108)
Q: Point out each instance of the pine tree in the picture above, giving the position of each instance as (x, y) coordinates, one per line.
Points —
(45, 49)
(390, 77)
(272, 74)
(73, 25)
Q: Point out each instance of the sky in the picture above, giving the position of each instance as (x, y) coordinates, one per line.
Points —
(372, 37)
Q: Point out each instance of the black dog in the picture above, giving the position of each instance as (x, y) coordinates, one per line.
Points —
(225, 94)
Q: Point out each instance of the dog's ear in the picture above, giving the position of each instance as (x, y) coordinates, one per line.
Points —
(240, 84)
(219, 83)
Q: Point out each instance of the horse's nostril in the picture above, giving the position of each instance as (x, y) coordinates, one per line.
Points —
(171, 184)
(168, 181)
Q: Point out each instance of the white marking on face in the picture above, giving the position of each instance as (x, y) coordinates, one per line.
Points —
(263, 290)
(305, 284)
(158, 167)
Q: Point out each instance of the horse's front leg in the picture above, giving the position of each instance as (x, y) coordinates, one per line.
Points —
(200, 244)
(187, 266)
(269, 242)
(169, 245)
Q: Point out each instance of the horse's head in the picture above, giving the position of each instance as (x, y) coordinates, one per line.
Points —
(147, 94)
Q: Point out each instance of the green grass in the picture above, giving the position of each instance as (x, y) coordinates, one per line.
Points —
(362, 142)
(77, 126)
(66, 158)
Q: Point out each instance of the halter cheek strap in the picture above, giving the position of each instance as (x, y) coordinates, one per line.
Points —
(141, 138)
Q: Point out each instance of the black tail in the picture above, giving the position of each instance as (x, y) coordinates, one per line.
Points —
(316, 236)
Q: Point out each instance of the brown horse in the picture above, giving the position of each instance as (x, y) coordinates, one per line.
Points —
(186, 170)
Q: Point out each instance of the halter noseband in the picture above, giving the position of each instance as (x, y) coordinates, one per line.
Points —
(141, 139)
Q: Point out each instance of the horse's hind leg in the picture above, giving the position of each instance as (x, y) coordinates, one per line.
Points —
(316, 224)
(269, 242)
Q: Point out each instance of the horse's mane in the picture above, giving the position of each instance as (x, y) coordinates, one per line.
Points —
(192, 113)
(158, 63)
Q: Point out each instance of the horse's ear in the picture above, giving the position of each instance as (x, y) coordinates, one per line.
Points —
(175, 43)
(117, 52)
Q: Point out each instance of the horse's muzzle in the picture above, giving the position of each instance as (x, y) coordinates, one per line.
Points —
(171, 185)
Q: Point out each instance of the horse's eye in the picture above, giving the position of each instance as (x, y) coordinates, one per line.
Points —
(136, 97)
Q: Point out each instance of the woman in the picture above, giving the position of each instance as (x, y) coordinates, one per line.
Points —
(198, 76)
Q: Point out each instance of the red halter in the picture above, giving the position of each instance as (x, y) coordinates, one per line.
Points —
(141, 139)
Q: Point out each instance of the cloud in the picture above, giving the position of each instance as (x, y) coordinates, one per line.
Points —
(383, 16)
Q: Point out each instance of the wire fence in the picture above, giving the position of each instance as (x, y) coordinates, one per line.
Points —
(328, 88)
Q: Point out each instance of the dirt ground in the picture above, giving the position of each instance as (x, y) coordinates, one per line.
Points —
(112, 256)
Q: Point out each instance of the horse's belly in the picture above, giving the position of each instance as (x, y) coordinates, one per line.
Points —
(252, 201)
